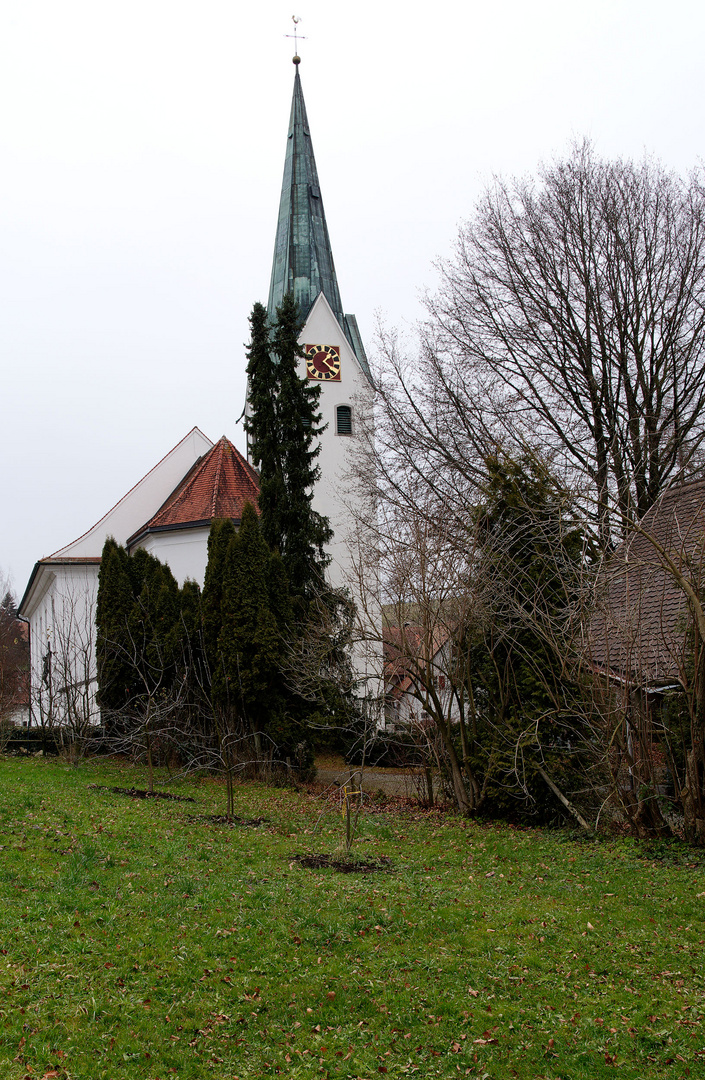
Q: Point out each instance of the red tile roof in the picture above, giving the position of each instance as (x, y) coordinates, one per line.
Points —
(407, 650)
(218, 486)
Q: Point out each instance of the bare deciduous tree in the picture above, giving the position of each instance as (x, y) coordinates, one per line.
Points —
(569, 326)
(572, 317)
(431, 606)
(64, 687)
(73, 675)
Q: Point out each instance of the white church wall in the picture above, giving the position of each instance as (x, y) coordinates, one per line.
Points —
(338, 496)
(185, 550)
(335, 494)
(60, 609)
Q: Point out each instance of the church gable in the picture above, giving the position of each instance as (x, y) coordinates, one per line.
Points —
(345, 391)
(142, 500)
(53, 575)
(322, 328)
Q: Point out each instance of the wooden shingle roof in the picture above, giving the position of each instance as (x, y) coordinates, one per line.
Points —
(639, 632)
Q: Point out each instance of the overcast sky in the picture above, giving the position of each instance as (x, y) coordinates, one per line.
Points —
(141, 154)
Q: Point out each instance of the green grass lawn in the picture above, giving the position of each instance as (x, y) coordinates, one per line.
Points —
(137, 943)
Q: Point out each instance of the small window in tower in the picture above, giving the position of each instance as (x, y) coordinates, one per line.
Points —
(343, 421)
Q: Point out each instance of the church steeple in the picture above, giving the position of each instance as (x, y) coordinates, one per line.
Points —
(303, 257)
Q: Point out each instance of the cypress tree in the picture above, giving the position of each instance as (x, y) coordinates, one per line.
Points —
(113, 606)
(283, 424)
(190, 610)
(155, 625)
(190, 627)
(263, 426)
(249, 641)
(247, 619)
(222, 532)
(192, 671)
(138, 617)
(279, 593)
(286, 722)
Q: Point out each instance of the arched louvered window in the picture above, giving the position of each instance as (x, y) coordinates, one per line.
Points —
(343, 420)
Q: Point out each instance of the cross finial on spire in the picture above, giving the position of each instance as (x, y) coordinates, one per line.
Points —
(296, 19)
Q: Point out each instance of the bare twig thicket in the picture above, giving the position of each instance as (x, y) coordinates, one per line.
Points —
(474, 615)
(63, 695)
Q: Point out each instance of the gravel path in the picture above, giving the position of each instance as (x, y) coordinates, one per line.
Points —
(397, 783)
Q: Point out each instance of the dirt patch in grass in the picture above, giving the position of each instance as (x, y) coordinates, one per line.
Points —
(344, 864)
(140, 793)
(223, 819)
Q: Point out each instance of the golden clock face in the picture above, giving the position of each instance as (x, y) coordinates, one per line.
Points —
(323, 362)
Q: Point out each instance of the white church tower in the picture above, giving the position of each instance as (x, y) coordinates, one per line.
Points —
(334, 358)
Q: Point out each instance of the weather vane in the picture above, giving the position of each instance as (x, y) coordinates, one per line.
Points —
(296, 19)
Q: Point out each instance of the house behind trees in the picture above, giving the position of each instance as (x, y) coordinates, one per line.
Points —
(647, 649)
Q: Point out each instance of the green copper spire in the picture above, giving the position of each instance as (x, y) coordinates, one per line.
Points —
(303, 258)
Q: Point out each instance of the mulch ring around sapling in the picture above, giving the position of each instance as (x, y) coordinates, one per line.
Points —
(140, 793)
(223, 819)
(343, 864)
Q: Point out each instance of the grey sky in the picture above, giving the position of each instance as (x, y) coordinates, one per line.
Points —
(141, 152)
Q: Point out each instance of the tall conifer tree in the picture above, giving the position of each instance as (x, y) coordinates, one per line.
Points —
(139, 623)
(283, 425)
(113, 607)
(222, 532)
(263, 425)
(250, 639)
